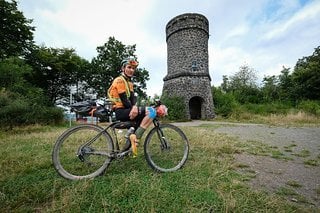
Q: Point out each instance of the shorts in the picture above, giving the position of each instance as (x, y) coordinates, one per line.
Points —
(122, 114)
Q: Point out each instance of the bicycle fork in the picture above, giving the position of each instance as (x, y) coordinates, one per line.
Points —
(164, 144)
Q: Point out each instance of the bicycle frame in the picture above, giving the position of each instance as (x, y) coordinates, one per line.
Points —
(88, 143)
(113, 126)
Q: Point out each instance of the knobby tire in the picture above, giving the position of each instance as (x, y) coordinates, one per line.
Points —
(95, 157)
(166, 159)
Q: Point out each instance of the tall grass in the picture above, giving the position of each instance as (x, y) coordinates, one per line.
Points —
(275, 113)
(207, 183)
(292, 118)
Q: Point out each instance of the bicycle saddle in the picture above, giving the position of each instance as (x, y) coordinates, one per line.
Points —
(124, 124)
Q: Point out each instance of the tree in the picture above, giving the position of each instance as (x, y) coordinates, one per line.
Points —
(106, 67)
(225, 86)
(55, 70)
(270, 88)
(13, 78)
(306, 76)
(245, 77)
(286, 91)
(21, 102)
(16, 34)
(13, 70)
(243, 85)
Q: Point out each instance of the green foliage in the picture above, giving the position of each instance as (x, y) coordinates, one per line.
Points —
(18, 110)
(285, 85)
(278, 94)
(242, 85)
(16, 34)
(225, 103)
(306, 77)
(13, 70)
(21, 103)
(245, 77)
(267, 108)
(270, 89)
(227, 106)
(312, 107)
(302, 84)
(176, 107)
(248, 95)
(55, 70)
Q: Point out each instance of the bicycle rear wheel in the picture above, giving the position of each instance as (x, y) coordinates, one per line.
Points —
(83, 151)
(166, 148)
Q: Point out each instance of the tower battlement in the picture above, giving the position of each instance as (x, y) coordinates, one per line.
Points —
(187, 21)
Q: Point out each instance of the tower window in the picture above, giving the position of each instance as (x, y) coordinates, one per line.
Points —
(194, 66)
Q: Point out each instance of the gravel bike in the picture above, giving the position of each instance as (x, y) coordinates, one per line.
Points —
(86, 150)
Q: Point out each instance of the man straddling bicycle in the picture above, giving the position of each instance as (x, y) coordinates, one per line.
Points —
(125, 107)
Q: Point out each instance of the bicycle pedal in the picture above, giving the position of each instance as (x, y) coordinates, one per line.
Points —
(121, 155)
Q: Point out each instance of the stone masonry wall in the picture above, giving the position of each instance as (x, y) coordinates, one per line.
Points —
(187, 59)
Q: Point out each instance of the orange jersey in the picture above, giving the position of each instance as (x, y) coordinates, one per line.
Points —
(118, 86)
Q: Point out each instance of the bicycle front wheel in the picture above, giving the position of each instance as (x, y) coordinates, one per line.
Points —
(166, 148)
(83, 151)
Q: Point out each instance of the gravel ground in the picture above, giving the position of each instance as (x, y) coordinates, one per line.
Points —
(299, 181)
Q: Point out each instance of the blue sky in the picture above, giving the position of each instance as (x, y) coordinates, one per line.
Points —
(264, 34)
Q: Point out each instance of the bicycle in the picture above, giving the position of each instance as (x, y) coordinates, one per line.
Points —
(85, 151)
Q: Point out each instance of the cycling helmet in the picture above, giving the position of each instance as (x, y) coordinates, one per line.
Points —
(131, 60)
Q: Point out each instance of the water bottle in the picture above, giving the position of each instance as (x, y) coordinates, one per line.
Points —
(113, 117)
(120, 135)
(130, 131)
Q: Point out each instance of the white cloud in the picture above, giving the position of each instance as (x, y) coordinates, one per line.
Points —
(89, 23)
(226, 61)
(300, 20)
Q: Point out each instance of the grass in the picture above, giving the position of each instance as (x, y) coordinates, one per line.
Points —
(291, 118)
(303, 153)
(294, 183)
(295, 197)
(311, 162)
(207, 183)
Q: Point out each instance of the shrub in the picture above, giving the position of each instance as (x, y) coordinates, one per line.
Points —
(16, 110)
(312, 107)
(176, 107)
(224, 103)
(268, 108)
(14, 113)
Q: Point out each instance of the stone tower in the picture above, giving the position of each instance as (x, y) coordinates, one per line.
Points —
(187, 60)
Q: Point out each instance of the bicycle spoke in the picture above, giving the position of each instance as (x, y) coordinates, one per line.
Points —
(169, 152)
(73, 159)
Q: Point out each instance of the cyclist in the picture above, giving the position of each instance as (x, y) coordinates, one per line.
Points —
(122, 94)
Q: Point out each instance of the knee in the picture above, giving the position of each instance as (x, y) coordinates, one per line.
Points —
(152, 112)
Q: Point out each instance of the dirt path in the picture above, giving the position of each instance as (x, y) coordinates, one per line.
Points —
(295, 178)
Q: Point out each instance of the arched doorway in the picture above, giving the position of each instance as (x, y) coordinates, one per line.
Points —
(195, 105)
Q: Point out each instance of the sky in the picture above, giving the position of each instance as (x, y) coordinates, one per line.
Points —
(263, 34)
